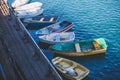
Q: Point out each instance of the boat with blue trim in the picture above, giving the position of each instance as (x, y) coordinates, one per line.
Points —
(58, 27)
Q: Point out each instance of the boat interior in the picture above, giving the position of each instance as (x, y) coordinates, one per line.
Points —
(70, 68)
(84, 46)
(65, 23)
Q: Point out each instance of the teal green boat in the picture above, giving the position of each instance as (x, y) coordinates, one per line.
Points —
(80, 48)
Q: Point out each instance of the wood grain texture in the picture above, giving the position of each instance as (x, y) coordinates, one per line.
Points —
(20, 57)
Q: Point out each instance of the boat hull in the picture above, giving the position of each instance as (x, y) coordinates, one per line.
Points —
(62, 37)
(78, 54)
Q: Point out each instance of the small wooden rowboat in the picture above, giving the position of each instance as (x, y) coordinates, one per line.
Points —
(70, 69)
(57, 37)
(58, 27)
(17, 3)
(29, 6)
(40, 21)
(80, 48)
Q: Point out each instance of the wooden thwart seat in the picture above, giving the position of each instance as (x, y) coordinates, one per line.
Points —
(51, 19)
(41, 20)
(77, 47)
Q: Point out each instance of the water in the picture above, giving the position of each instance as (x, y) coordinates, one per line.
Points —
(92, 19)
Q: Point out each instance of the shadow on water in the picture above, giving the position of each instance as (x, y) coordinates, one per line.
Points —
(86, 78)
(43, 45)
(34, 27)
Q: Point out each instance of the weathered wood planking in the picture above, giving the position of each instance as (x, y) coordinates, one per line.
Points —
(20, 57)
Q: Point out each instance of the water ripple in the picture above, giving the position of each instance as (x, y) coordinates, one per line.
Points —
(93, 19)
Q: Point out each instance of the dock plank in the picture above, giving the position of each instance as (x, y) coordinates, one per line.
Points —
(23, 59)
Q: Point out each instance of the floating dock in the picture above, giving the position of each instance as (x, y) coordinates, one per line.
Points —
(20, 56)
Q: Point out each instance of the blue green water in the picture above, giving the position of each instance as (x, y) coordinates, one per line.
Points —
(91, 19)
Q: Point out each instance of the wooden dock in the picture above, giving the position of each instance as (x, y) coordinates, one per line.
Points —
(20, 56)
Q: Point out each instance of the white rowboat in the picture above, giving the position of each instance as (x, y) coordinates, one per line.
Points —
(29, 13)
(17, 3)
(29, 6)
(57, 37)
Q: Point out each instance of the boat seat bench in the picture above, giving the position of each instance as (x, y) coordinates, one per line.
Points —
(51, 19)
(41, 20)
(77, 47)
